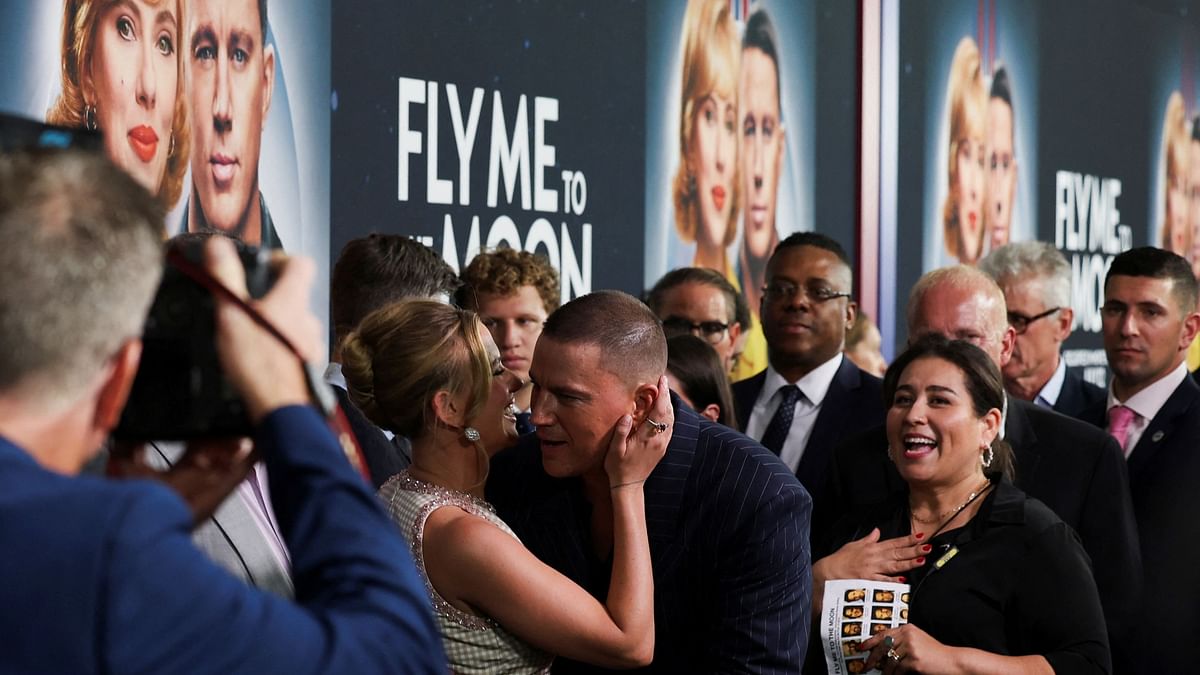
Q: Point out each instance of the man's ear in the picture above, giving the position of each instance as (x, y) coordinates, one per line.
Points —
(1066, 317)
(1191, 326)
(268, 80)
(712, 411)
(643, 401)
(447, 410)
(114, 390)
(1008, 340)
(851, 314)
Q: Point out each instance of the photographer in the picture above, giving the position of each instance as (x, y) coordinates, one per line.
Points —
(101, 576)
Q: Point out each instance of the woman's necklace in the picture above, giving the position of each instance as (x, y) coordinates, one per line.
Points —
(945, 517)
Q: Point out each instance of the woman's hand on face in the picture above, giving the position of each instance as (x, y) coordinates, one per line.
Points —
(915, 651)
(870, 558)
(634, 451)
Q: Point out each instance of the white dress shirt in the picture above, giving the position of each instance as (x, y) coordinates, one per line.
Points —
(813, 388)
(1048, 396)
(1146, 404)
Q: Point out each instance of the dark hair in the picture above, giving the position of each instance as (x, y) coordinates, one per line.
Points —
(1157, 263)
(697, 367)
(760, 35)
(262, 20)
(741, 311)
(379, 269)
(627, 332)
(503, 272)
(982, 376)
(1196, 128)
(817, 240)
(1000, 86)
(695, 275)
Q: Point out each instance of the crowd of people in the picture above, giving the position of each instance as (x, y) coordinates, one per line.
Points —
(580, 487)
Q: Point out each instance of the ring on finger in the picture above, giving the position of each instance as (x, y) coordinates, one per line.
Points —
(889, 642)
(657, 427)
(894, 655)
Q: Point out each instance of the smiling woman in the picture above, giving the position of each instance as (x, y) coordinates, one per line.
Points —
(121, 75)
(981, 558)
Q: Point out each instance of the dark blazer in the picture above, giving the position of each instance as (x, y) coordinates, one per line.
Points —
(1078, 395)
(728, 526)
(1067, 464)
(854, 401)
(385, 458)
(100, 576)
(1164, 478)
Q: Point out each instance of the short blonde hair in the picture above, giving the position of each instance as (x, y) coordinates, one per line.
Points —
(965, 90)
(78, 41)
(711, 55)
(402, 355)
(1176, 146)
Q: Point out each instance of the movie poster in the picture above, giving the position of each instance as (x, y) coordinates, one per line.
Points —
(472, 126)
(732, 106)
(220, 112)
(1008, 132)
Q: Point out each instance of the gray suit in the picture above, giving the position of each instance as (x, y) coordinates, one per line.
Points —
(231, 538)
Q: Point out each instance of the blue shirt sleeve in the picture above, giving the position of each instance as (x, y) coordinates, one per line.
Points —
(360, 606)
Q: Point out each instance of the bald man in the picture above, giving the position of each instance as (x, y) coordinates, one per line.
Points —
(728, 522)
(1073, 467)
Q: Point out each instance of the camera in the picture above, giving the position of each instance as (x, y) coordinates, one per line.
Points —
(180, 391)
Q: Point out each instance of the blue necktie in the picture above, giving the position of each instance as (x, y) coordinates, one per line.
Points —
(781, 423)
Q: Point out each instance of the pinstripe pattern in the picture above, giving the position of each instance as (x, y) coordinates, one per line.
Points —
(728, 525)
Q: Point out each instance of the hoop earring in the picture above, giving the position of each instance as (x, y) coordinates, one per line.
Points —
(987, 458)
(890, 457)
(89, 117)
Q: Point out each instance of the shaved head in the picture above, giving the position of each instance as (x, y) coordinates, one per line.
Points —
(629, 336)
(961, 303)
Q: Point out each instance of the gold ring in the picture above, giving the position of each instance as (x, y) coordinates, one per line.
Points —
(658, 427)
(894, 655)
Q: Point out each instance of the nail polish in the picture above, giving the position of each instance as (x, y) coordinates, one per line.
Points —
(903, 580)
(926, 548)
(920, 535)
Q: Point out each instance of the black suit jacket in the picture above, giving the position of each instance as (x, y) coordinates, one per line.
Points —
(1069, 465)
(1078, 396)
(854, 401)
(728, 527)
(1164, 478)
(384, 458)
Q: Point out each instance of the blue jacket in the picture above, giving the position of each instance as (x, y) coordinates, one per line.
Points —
(101, 576)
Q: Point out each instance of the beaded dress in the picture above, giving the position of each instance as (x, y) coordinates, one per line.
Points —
(473, 643)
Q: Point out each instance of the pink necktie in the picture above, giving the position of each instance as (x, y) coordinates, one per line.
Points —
(1119, 419)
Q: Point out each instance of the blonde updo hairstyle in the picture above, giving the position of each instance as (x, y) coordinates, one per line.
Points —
(966, 93)
(402, 355)
(69, 109)
(711, 54)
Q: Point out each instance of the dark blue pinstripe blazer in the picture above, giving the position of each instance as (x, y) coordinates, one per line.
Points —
(728, 527)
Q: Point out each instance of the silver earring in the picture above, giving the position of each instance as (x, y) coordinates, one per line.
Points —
(472, 434)
(889, 454)
(987, 458)
(89, 116)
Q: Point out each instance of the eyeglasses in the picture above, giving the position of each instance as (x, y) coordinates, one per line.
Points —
(1020, 322)
(712, 331)
(785, 290)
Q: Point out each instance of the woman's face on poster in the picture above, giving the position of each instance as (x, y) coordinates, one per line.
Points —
(713, 157)
(1193, 194)
(1178, 207)
(133, 82)
(970, 154)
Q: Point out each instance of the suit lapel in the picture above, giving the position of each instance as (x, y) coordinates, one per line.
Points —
(1019, 434)
(1158, 432)
(667, 486)
(745, 393)
(248, 542)
(829, 423)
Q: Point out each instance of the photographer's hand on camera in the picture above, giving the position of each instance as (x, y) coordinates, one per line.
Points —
(261, 368)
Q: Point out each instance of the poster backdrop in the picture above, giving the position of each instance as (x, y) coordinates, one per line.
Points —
(1077, 157)
(225, 119)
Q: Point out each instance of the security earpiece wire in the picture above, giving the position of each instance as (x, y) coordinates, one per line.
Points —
(321, 393)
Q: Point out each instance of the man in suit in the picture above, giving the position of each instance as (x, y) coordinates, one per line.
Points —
(1153, 411)
(810, 393)
(101, 576)
(1036, 280)
(372, 272)
(702, 302)
(1071, 466)
(727, 522)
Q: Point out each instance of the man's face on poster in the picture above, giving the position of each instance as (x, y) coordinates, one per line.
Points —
(1002, 171)
(233, 76)
(762, 148)
(1194, 203)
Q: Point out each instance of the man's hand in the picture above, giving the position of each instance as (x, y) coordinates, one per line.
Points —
(263, 370)
(204, 476)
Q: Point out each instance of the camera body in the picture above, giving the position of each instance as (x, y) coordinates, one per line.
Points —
(180, 391)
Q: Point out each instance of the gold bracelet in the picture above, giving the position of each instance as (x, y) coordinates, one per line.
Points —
(632, 482)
